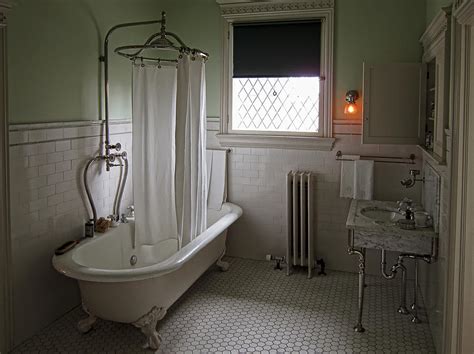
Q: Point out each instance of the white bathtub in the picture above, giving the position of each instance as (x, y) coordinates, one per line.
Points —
(140, 294)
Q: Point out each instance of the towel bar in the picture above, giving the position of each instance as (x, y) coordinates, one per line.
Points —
(228, 150)
(406, 160)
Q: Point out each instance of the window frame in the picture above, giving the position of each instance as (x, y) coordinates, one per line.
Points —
(271, 11)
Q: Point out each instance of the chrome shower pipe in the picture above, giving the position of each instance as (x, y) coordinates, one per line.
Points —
(86, 186)
(105, 59)
(122, 180)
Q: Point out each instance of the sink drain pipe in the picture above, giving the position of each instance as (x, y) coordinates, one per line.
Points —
(399, 265)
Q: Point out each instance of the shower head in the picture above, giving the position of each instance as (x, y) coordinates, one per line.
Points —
(161, 42)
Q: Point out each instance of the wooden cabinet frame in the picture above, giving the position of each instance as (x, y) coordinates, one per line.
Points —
(5, 239)
(436, 43)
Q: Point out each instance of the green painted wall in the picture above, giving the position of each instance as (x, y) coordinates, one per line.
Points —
(433, 7)
(53, 49)
(373, 31)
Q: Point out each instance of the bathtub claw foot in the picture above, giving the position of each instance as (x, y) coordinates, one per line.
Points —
(85, 325)
(147, 325)
(223, 266)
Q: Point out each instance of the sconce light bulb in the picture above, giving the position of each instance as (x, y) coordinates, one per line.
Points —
(351, 98)
(350, 108)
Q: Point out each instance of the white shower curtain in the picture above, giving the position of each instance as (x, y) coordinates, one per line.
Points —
(169, 147)
(191, 170)
(154, 124)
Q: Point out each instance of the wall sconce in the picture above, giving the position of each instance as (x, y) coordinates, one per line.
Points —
(351, 98)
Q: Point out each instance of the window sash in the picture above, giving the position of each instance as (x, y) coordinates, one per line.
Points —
(323, 10)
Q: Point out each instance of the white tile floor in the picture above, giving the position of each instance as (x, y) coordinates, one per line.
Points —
(254, 308)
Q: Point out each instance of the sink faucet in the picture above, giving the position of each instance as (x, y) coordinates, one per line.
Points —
(406, 208)
(404, 204)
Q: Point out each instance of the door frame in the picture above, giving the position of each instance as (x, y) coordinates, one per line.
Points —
(6, 318)
(460, 286)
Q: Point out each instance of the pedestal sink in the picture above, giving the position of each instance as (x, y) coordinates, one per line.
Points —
(382, 215)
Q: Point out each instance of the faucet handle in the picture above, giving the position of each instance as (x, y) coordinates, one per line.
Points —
(404, 204)
(123, 219)
(406, 201)
(131, 211)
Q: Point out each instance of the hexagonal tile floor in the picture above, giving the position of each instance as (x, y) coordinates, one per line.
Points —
(253, 308)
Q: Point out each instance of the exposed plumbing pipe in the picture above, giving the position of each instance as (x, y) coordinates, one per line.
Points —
(105, 59)
(86, 186)
(122, 181)
(399, 265)
(393, 272)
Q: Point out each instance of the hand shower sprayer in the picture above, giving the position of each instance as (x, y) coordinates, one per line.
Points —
(410, 181)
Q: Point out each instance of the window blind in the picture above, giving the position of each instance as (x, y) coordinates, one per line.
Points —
(277, 49)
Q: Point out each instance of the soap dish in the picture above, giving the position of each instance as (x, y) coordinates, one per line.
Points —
(406, 224)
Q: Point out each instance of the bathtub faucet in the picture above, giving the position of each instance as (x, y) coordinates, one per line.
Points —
(109, 159)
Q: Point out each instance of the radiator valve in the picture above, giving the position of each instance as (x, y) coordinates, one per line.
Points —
(278, 260)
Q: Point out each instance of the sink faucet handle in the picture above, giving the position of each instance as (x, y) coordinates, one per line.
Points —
(404, 204)
(131, 211)
(123, 219)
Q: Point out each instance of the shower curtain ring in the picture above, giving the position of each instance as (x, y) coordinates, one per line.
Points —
(142, 65)
(159, 64)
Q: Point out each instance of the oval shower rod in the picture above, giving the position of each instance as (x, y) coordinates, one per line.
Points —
(162, 40)
(157, 41)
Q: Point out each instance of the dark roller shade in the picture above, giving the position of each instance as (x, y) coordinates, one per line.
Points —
(277, 49)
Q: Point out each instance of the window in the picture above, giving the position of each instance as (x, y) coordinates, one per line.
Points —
(276, 104)
(277, 83)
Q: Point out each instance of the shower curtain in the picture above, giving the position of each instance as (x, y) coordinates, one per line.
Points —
(191, 170)
(169, 140)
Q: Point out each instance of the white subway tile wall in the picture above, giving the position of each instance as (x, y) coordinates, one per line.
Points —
(257, 183)
(48, 208)
(48, 204)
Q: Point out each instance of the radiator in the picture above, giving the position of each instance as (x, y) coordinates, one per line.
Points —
(299, 198)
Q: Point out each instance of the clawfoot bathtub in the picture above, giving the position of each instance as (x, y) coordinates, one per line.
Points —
(137, 286)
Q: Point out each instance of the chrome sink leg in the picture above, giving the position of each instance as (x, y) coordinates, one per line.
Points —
(403, 293)
(414, 306)
(358, 327)
(361, 253)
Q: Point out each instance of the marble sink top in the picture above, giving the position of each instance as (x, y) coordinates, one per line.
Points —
(374, 225)
(382, 215)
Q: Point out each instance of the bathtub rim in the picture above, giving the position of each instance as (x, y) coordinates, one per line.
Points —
(66, 265)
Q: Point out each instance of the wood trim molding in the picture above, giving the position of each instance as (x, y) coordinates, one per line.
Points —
(6, 296)
(435, 32)
(276, 142)
(53, 125)
(459, 314)
(231, 9)
(464, 14)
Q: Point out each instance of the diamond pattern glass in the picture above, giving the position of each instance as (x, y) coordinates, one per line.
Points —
(283, 104)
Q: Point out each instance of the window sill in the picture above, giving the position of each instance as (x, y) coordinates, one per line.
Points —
(276, 142)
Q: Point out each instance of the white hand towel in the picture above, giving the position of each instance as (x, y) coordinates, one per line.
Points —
(364, 179)
(347, 179)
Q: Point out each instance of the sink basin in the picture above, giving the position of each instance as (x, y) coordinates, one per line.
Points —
(381, 215)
